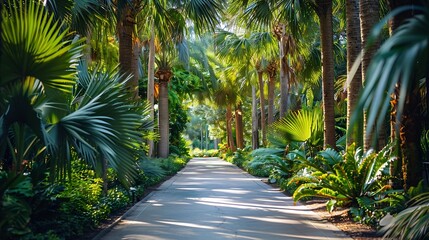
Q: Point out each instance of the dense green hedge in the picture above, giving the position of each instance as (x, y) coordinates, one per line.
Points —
(70, 209)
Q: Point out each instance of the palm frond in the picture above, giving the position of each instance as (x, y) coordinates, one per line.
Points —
(259, 13)
(205, 14)
(412, 223)
(403, 56)
(300, 126)
(104, 125)
(79, 15)
(33, 46)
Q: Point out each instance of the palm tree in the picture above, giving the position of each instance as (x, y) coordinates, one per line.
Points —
(99, 123)
(205, 16)
(239, 126)
(163, 74)
(369, 16)
(272, 73)
(261, 83)
(255, 132)
(234, 48)
(353, 50)
(126, 20)
(294, 11)
(226, 96)
(276, 17)
(401, 60)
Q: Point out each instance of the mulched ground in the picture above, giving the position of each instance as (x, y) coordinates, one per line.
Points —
(343, 221)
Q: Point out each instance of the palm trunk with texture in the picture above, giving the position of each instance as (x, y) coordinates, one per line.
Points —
(262, 107)
(255, 132)
(230, 139)
(239, 126)
(163, 146)
(271, 88)
(151, 82)
(355, 133)
(324, 11)
(411, 119)
(369, 16)
(127, 60)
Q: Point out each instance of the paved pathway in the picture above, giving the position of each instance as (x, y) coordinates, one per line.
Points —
(213, 199)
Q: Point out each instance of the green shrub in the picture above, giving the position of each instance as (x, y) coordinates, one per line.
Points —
(15, 190)
(240, 157)
(116, 200)
(345, 180)
(196, 152)
(270, 162)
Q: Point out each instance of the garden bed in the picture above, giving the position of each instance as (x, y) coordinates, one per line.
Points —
(342, 220)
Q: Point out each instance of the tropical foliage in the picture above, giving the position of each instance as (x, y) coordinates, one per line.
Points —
(76, 133)
(412, 222)
(345, 180)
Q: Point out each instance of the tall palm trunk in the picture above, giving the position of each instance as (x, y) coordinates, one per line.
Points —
(239, 126)
(127, 58)
(369, 16)
(324, 11)
(151, 81)
(409, 134)
(163, 120)
(410, 125)
(280, 32)
(255, 135)
(230, 139)
(355, 85)
(262, 106)
(272, 71)
(137, 50)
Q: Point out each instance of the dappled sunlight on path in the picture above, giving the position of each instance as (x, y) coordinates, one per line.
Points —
(212, 199)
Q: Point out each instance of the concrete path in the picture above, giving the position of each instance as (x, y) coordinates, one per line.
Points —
(213, 199)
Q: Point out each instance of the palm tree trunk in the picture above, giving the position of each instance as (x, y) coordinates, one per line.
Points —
(137, 50)
(355, 85)
(409, 133)
(230, 139)
(369, 16)
(88, 50)
(324, 11)
(410, 125)
(255, 135)
(151, 81)
(163, 146)
(284, 77)
(239, 126)
(271, 87)
(262, 106)
(127, 60)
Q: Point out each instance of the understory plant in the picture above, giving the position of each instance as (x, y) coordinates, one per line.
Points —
(52, 112)
(300, 130)
(411, 223)
(270, 162)
(346, 180)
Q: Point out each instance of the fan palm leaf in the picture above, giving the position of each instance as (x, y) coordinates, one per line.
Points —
(103, 125)
(33, 46)
(304, 125)
(79, 15)
(205, 14)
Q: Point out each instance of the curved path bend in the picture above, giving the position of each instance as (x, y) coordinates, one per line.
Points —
(211, 199)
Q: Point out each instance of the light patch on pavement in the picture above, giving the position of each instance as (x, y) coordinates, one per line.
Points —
(233, 191)
(191, 225)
